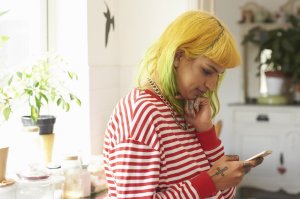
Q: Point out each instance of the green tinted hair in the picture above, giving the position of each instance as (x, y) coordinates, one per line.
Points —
(196, 33)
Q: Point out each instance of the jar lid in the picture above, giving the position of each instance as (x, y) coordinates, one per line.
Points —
(71, 157)
(33, 174)
(53, 166)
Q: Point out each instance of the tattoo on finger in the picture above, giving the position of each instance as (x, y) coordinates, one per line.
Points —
(247, 165)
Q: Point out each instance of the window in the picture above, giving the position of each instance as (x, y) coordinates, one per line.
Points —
(25, 23)
(34, 27)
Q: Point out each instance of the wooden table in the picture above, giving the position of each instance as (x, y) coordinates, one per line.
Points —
(100, 195)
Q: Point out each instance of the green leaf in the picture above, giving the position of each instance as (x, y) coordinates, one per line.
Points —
(287, 45)
(34, 113)
(67, 106)
(58, 102)
(4, 12)
(70, 75)
(73, 75)
(6, 112)
(3, 39)
(28, 91)
(10, 80)
(19, 74)
(78, 101)
(36, 84)
(38, 102)
(44, 96)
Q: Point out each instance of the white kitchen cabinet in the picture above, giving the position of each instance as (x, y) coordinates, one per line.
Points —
(277, 128)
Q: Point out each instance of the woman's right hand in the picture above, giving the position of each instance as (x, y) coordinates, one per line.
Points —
(229, 171)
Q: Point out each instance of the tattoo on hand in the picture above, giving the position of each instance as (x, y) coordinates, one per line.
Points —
(220, 171)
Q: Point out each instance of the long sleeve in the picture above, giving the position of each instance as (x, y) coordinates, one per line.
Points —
(211, 145)
(214, 150)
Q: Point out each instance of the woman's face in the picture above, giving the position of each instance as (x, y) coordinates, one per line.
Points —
(194, 77)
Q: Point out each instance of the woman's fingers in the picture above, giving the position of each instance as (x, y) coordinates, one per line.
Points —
(256, 161)
(197, 104)
(247, 166)
(189, 108)
(193, 106)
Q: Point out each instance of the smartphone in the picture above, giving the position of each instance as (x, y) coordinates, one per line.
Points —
(261, 154)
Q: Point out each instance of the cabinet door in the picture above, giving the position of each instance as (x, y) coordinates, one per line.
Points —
(253, 140)
(291, 161)
(258, 128)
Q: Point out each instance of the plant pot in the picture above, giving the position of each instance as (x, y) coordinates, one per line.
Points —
(44, 126)
(44, 122)
(275, 82)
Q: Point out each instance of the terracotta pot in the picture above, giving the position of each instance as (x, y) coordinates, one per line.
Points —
(278, 74)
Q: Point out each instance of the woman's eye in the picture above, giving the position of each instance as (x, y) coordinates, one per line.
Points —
(207, 72)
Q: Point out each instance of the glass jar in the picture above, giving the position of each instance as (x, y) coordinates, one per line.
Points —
(72, 170)
(35, 189)
(58, 183)
(34, 183)
(58, 179)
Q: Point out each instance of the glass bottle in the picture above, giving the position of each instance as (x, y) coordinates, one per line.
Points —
(72, 170)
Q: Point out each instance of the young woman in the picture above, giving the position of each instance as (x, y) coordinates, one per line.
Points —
(160, 141)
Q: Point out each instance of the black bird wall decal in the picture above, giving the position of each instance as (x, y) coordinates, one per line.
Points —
(110, 21)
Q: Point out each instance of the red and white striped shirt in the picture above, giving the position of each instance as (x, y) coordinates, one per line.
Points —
(147, 155)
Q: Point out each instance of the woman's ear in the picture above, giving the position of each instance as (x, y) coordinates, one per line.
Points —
(178, 55)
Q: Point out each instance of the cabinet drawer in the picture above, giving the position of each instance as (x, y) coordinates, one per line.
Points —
(255, 117)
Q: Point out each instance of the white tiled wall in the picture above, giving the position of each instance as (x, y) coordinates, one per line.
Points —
(137, 24)
(104, 93)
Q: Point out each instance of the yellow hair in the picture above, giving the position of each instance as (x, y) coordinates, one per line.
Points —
(196, 33)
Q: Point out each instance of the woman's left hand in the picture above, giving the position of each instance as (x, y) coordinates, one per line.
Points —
(198, 113)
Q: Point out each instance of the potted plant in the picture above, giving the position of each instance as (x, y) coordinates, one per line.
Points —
(42, 83)
(283, 61)
(36, 87)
